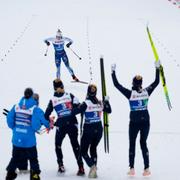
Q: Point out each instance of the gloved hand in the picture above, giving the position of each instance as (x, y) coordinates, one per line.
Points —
(68, 44)
(48, 43)
(51, 119)
(51, 124)
(157, 64)
(113, 67)
(83, 106)
(106, 98)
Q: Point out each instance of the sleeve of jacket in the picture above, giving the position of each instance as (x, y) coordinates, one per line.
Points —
(75, 101)
(79, 109)
(36, 119)
(11, 118)
(152, 86)
(49, 110)
(42, 118)
(124, 91)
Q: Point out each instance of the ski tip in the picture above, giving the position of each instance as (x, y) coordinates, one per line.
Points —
(101, 57)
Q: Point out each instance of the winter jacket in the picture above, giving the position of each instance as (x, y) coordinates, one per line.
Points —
(25, 119)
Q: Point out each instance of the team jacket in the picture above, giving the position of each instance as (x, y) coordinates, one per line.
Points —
(58, 44)
(138, 101)
(25, 119)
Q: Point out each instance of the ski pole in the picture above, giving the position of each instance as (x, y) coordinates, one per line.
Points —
(75, 54)
(45, 54)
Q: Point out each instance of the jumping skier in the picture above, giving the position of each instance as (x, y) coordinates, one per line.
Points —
(139, 115)
(60, 54)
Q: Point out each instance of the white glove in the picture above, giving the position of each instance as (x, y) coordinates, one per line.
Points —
(157, 64)
(113, 67)
(106, 98)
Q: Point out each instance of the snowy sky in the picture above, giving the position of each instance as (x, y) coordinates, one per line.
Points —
(116, 30)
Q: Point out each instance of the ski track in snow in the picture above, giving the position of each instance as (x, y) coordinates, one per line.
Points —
(114, 31)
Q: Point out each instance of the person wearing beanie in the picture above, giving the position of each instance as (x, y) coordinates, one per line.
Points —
(92, 109)
(139, 116)
(25, 119)
(60, 54)
(66, 123)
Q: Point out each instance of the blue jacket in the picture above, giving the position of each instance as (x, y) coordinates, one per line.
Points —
(25, 119)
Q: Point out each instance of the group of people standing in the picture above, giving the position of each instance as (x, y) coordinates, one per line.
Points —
(26, 118)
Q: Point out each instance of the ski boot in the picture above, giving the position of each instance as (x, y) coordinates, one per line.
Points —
(75, 78)
(92, 172)
(131, 172)
(81, 171)
(146, 172)
(11, 175)
(61, 169)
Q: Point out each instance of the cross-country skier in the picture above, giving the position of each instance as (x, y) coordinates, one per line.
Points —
(92, 108)
(139, 115)
(60, 54)
(25, 119)
(64, 103)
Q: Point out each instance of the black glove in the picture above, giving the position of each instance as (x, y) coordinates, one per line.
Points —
(83, 106)
(68, 44)
(48, 43)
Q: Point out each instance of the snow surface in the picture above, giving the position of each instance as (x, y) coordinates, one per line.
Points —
(116, 30)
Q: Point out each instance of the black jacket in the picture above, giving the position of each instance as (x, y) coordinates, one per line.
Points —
(136, 116)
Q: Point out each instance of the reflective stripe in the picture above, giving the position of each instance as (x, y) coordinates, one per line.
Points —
(23, 116)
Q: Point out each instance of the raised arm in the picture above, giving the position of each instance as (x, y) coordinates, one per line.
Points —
(124, 91)
(152, 86)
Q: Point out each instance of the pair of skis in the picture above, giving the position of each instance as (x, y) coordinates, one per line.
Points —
(105, 114)
(162, 76)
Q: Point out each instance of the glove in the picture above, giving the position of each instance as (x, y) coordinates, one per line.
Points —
(68, 44)
(157, 64)
(83, 106)
(51, 124)
(106, 98)
(51, 119)
(113, 67)
(48, 43)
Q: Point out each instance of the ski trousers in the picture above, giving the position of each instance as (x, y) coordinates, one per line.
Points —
(18, 156)
(92, 134)
(62, 56)
(134, 129)
(72, 131)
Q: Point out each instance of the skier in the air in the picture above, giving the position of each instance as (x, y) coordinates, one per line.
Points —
(139, 115)
(92, 109)
(60, 54)
(25, 119)
(64, 103)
